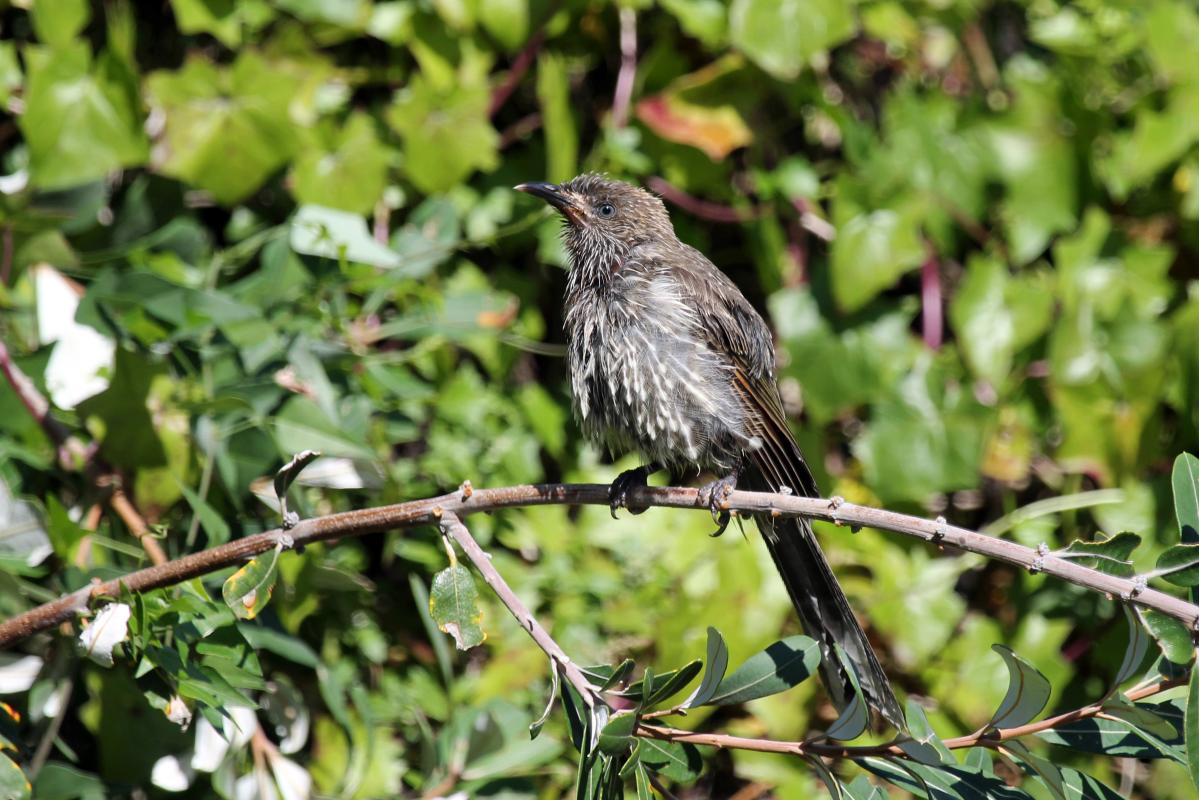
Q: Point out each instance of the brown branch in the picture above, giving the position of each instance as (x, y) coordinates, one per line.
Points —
(985, 737)
(430, 510)
(622, 96)
(452, 527)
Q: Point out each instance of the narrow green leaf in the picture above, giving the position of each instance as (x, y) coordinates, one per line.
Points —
(860, 788)
(717, 660)
(674, 760)
(668, 686)
(1191, 727)
(1048, 772)
(643, 788)
(440, 649)
(780, 666)
(1134, 654)
(616, 737)
(1080, 786)
(1179, 565)
(1028, 692)
(856, 715)
(1185, 481)
(605, 676)
(835, 789)
(248, 590)
(537, 724)
(1119, 738)
(454, 606)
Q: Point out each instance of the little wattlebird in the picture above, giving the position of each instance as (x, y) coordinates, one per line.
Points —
(668, 358)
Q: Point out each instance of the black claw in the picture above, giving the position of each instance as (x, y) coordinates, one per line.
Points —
(618, 492)
(717, 493)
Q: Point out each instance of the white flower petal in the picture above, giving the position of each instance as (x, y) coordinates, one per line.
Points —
(109, 628)
(178, 712)
(210, 747)
(293, 781)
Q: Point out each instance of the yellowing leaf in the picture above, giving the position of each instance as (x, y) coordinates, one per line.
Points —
(248, 590)
(454, 606)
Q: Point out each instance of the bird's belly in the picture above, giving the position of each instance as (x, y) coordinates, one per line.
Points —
(661, 393)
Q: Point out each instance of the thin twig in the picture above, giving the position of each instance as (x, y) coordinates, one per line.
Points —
(622, 96)
(704, 209)
(986, 737)
(430, 510)
(6, 254)
(932, 326)
(73, 453)
(452, 526)
(516, 73)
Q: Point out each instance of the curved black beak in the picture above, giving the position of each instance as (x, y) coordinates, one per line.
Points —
(552, 195)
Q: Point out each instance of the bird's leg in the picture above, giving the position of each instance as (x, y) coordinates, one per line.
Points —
(618, 492)
(715, 494)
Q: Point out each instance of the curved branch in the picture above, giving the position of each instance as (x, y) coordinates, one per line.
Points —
(469, 501)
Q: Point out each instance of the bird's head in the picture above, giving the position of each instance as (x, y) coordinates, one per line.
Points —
(604, 218)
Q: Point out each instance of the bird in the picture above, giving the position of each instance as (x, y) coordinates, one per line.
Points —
(668, 359)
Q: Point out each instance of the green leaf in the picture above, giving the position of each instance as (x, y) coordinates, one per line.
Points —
(213, 523)
(781, 36)
(716, 659)
(248, 590)
(1191, 727)
(860, 788)
(1111, 555)
(1117, 737)
(1048, 772)
(446, 132)
(924, 745)
(668, 684)
(329, 233)
(605, 677)
(347, 172)
(616, 737)
(1179, 565)
(1172, 636)
(1028, 692)
(674, 760)
(79, 123)
(561, 136)
(57, 22)
(130, 439)
(1138, 645)
(284, 478)
(780, 666)
(644, 792)
(869, 254)
(454, 606)
(226, 129)
(1185, 481)
(224, 20)
(13, 783)
(1139, 718)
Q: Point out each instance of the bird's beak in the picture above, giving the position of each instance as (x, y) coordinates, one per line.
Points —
(554, 196)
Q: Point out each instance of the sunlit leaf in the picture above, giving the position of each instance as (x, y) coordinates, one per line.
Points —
(1179, 565)
(677, 761)
(248, 590)
(716, 661)
(780, 666)
(1028, 692)
(454, 605)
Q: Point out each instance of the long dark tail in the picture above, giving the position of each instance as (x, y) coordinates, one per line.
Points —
(823, 608)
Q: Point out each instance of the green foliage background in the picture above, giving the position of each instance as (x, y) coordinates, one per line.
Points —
(294, 219)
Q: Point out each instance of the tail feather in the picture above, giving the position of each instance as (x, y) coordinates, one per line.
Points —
(823, 608)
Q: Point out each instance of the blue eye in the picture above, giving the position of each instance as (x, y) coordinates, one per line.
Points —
(606, 210)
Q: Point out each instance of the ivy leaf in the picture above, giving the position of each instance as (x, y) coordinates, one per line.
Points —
(717, 661)
(337, 235)
(780, 36)
(1028, 692)
(780, 666)
(347, 172)
(869, 254)
(454, 606)
(248, 590)
(78, 123)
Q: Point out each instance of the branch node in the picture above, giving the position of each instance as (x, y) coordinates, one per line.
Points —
(466, 490)
(437, 512)
(1139, 584)
(286, 541)
(836, 501)
(941, 529)
(786, 490)
(775, 513)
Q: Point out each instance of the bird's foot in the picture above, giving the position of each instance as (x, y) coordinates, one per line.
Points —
(716, 494)
(618, 492)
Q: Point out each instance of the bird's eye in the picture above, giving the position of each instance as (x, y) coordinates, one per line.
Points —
(606, 210)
